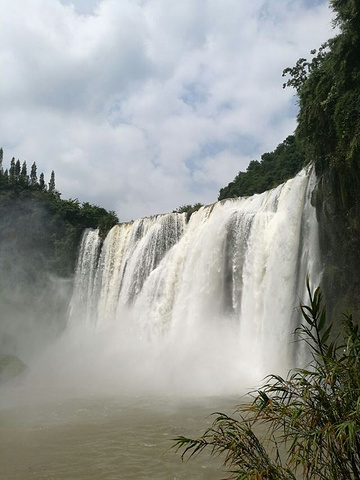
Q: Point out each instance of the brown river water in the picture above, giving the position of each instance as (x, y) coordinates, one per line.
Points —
(106, 438)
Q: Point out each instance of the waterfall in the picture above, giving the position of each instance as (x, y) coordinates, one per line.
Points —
(222, 288)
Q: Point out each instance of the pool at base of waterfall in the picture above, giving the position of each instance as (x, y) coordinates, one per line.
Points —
(110, 438)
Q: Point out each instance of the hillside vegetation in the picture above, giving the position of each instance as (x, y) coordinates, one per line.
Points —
(33, 213)
(274, 168)
(328, 130)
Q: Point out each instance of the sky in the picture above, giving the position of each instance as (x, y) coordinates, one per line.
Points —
(141, 106)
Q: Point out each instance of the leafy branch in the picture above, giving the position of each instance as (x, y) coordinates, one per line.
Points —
(313, 415)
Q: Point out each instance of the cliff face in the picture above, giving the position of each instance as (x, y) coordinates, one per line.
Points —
(339, 234)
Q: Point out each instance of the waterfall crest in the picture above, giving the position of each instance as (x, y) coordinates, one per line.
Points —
(228, 280)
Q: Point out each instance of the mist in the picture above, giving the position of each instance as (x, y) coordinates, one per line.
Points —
(164, 322)
(34, 299)
(169, 307)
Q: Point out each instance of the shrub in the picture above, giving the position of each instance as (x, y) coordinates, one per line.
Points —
(313, 415)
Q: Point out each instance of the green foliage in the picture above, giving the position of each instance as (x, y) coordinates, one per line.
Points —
(313, 415)
(24, 178)
(52, 182)
(12, 172)
(300, 72)
(328, 131)
(275, 168)
(347, 13)
(33, 175)
(188, 209)
(42, 182)
(329, 97)
(32, 213)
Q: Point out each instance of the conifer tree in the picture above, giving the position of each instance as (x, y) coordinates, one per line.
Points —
(2, 179)
(33, 175)
(23, 174)
(52, 182)
(12, 171)
(42, 182)
(17, 169)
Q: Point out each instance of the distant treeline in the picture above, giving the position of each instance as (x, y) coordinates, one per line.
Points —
(274, 168)
(16, 177)
(34, 215)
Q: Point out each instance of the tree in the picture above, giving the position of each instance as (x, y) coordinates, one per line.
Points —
(17, 170)
(52, 182)
(12, 171)
(42, 182)
(275, 168)
(188, 209)
(3, 181)
(348, 14)
(313, 413)
(301, 71)
(33, 175)
(24, 179)
(328, 88)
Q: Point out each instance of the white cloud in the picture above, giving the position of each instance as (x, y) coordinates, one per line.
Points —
(142, 105)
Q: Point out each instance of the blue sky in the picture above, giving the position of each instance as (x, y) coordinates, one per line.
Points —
(141, 106)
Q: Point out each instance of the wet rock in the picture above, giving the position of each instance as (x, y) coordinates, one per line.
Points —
(10, 367)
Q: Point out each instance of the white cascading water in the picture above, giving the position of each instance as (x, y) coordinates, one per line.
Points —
(204, 304)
